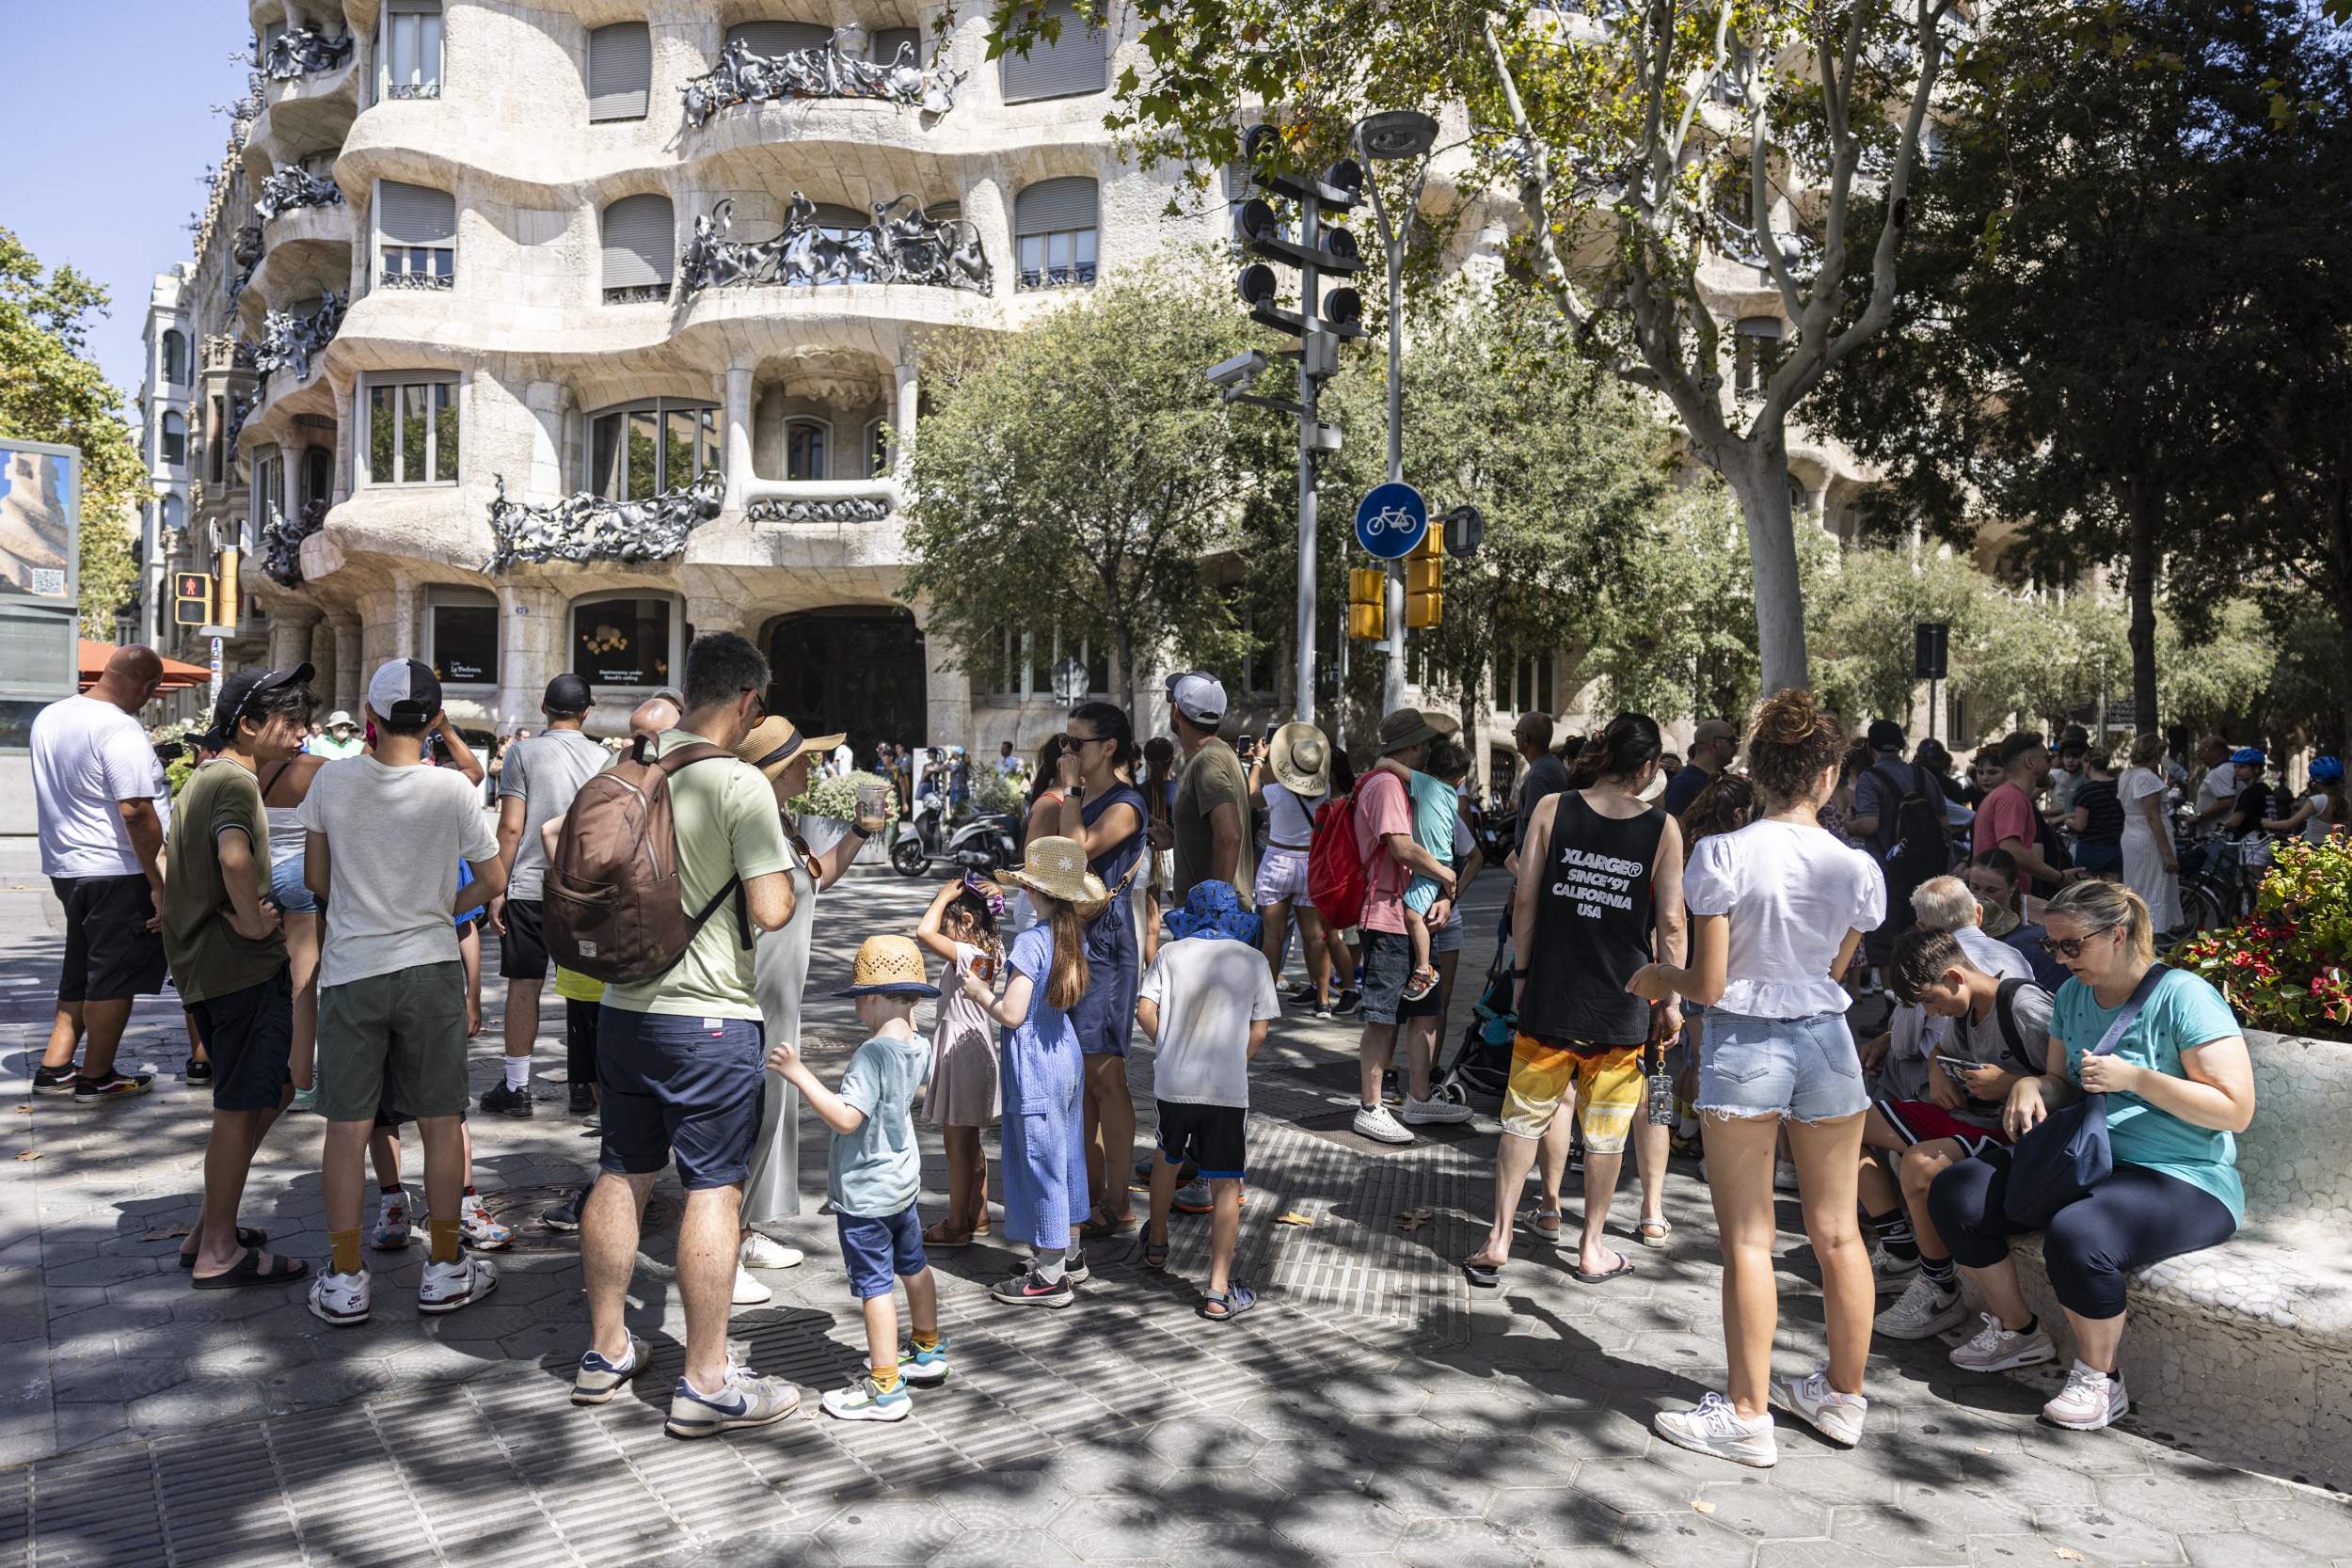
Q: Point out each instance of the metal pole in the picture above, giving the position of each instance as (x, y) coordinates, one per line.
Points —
(1309, 235)
(1393, 238)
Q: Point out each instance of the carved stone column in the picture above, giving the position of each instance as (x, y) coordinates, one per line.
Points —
(290, 636)
(738, 417)
(350, 663)
(321, 653)
(902, 421)
(531, 649)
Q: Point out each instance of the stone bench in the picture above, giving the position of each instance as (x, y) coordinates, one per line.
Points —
(2244, 1351)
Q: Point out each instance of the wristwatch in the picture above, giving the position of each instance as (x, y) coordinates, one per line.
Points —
(1076, 794)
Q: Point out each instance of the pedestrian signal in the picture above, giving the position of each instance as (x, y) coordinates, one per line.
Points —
(1367, 603)
(192, 599)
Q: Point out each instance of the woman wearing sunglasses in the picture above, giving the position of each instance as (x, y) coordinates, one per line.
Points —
(2179, 1085)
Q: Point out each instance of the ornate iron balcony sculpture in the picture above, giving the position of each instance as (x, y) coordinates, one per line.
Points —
(295, 186)
(857, 509)
(389, 278)
(826, 71)
(247, 253)
(586, 527)
(899, 246)
(412, 90)
(240, 409)
(304, 52)
(288, 341)
(281, 541)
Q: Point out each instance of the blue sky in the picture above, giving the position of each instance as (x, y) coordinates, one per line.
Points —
(100, 163)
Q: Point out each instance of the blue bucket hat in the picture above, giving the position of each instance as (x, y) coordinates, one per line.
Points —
(1212, 910)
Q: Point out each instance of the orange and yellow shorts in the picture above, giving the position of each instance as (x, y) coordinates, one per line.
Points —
(1605, 1079)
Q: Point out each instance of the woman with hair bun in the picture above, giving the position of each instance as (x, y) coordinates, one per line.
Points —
(1777, 908)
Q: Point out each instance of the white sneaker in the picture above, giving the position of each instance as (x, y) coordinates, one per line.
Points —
(1784, 1177)
(1890, 1273)
(1378, 1123)
(1837, 1416)
(1715, 1428)
(750, 1292)
(391, 1220)
(1923, 1311)
(1440, 1112)
(340, 1299)
(766, 1252)
(2089, 1400)
(447, 1287)
(1997, 1348)
(478, 1230)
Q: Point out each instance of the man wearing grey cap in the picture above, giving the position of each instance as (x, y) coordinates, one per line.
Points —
(535, 786)
(1210, 815)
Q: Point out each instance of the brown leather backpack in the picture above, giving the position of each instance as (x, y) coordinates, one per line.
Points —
(614, 906)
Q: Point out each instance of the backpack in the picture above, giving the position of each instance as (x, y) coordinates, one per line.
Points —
(2005, 1013)
(614, 907)
(1335, 867)
(1911, 839)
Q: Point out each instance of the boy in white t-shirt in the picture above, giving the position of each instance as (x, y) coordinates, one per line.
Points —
(1206, 1001)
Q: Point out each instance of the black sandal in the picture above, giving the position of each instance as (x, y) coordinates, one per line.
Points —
(1486, 1277)
(249, 1271)
(245, 1238)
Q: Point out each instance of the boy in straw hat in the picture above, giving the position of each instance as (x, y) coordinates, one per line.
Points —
(873, 1176)
(1206, 1003)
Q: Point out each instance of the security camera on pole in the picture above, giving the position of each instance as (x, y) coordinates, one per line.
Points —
(1319, 324)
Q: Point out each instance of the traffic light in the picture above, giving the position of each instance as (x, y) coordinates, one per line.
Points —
(1367, 603)
(1322, 320)
(192, 599)
(1424, 582)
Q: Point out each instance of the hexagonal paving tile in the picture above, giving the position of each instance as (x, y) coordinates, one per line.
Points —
(1013, 1497)
(2239, 1550)
(2302, 1520)
(1378, 1395)
(1425, 1492)
(2109, 1535)
(1211, 1442)
(1762, 1512)
(1682, 1540)
(1339, 1524)
(1118, 1528)
(1468, 1544)
(888, 1530)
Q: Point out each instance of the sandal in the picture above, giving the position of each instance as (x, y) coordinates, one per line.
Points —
(937, 1235)
(1625, 1266)
(1155, 1254)
(1654, 1232)
(245, 1238)
(1098, 1227)
(1486, 1277)
(1531, 1218)
(1224, 1308)
(249, 1271)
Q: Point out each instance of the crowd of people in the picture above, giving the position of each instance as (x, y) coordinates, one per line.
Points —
(1683, 945)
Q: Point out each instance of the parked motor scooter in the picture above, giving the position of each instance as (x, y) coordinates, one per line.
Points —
(986, 844)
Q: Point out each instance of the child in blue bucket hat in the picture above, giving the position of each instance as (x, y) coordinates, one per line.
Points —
(1206, 1001)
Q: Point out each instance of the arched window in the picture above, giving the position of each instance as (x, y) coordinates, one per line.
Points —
(1054, 226)
(1078, 61)
(640, 240)
(627, 639)
(175, 438)
(620, 72)
(804, 444)
(638, 450)
(174, 514)
(175, 359)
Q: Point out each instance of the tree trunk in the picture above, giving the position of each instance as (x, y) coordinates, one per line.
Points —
(2140, 510)
(1762, 482)
(1125, 676)
(2340, 585)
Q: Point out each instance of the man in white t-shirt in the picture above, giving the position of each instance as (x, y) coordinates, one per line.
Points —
(99, 802)
(1206, 1001)
(384, 832)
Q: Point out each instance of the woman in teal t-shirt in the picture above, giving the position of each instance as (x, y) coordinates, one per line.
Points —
(2179, 1085)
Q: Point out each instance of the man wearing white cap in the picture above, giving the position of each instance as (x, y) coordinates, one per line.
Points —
(1211, 816)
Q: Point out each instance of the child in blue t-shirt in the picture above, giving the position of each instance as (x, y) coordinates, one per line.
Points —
(873, 1175)
(1436, 805)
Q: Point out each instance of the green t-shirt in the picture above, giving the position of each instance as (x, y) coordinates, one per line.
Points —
(2183, 1013)
(207, 958)
(877, 1171)
(728, 825)
(1211, 779)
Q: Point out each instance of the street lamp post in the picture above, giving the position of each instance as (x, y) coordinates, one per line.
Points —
(1395, 136)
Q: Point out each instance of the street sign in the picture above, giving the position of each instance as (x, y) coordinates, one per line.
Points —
(1465, 526)
(1070, 680)
(1930, 651)
(1391, 520)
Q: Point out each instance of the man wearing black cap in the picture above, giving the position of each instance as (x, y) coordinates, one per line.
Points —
(535, 786)
(229, 957)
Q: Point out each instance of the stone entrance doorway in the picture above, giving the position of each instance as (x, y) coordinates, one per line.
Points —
(857, 667)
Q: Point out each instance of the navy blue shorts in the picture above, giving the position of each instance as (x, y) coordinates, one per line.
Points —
(248, 1035)
(679, 1087)
(1215, 1139)
(874, 1252)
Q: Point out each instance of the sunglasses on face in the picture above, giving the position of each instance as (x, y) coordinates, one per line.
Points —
(2070, 947)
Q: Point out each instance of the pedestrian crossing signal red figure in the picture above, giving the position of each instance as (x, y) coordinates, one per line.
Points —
(192, 598)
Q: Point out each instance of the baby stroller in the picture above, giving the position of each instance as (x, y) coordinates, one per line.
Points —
(1482, 1063)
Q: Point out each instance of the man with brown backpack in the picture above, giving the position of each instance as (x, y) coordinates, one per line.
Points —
(668, 862)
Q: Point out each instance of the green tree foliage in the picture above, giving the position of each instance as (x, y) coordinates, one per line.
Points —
(1075, 475)
(1642, 145)
(1674, 636)
(52, 391)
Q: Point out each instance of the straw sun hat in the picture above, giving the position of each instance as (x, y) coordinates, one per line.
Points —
(889, 966)
(1301, 759)
(1057, 867)
(775, 740)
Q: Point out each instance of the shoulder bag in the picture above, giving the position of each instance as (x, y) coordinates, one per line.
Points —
(2063, 1158)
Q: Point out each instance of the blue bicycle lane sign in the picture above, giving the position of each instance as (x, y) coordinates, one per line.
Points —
(1391, 520)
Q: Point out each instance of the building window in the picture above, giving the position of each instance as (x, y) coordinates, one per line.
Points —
(1755, 354)
(266, 501)
(804, 443)
(624, 640)
(461, 636)
(411, 50)
(175, 517)
(1054, 225)
(1078, 61)
(1024, 670)
(620, 72)
(175, 438)
(318, 474)
(1523, 685)
(639, 450)
(216, 439)
(640, 240)
(877, 448)
(175, 359)
(412, 427)
(416, 235)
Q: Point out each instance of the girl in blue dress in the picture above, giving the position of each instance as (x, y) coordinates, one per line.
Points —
(1041, 1138)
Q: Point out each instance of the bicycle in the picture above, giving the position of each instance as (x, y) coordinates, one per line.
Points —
(2222, 894)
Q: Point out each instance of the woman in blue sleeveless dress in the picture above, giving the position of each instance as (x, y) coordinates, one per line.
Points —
(1106, 813)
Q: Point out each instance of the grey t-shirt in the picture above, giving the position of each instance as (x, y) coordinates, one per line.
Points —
(545, 771)
(394, 836)
(1987, 1045)
(877, 1171)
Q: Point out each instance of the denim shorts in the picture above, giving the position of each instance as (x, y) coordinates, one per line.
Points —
(1805, 1068)
(286, 889)
(876, 1252)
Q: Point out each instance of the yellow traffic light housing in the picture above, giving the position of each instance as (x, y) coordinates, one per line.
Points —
(192, 599)
(1367, 603)
(1424, 583)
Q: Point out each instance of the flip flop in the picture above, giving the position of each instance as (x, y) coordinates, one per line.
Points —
(249, 1271)
(245, 1238)
(1654, 1232)
(1486, 1277)
(1237, 1300)
(1533, 1212)
(936, 1234)
(1625, 1266)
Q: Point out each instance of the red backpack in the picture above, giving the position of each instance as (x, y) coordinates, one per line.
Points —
(1335, 867)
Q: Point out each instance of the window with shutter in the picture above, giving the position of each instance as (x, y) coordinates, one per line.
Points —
(175, 439)
(640, 238)
(411, 50)
(771, 38)
(416, 232)
(1076, 61)
(175, 359)
(1054, 226)
(620, 72)
(889, 42)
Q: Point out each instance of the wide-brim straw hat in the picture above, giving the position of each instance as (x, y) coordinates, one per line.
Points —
(775, 740)
(1057, 867)
(889, 966)
(1301, 759)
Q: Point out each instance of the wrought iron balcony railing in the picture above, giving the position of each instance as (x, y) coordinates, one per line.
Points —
(901, 245)
(827, 72)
